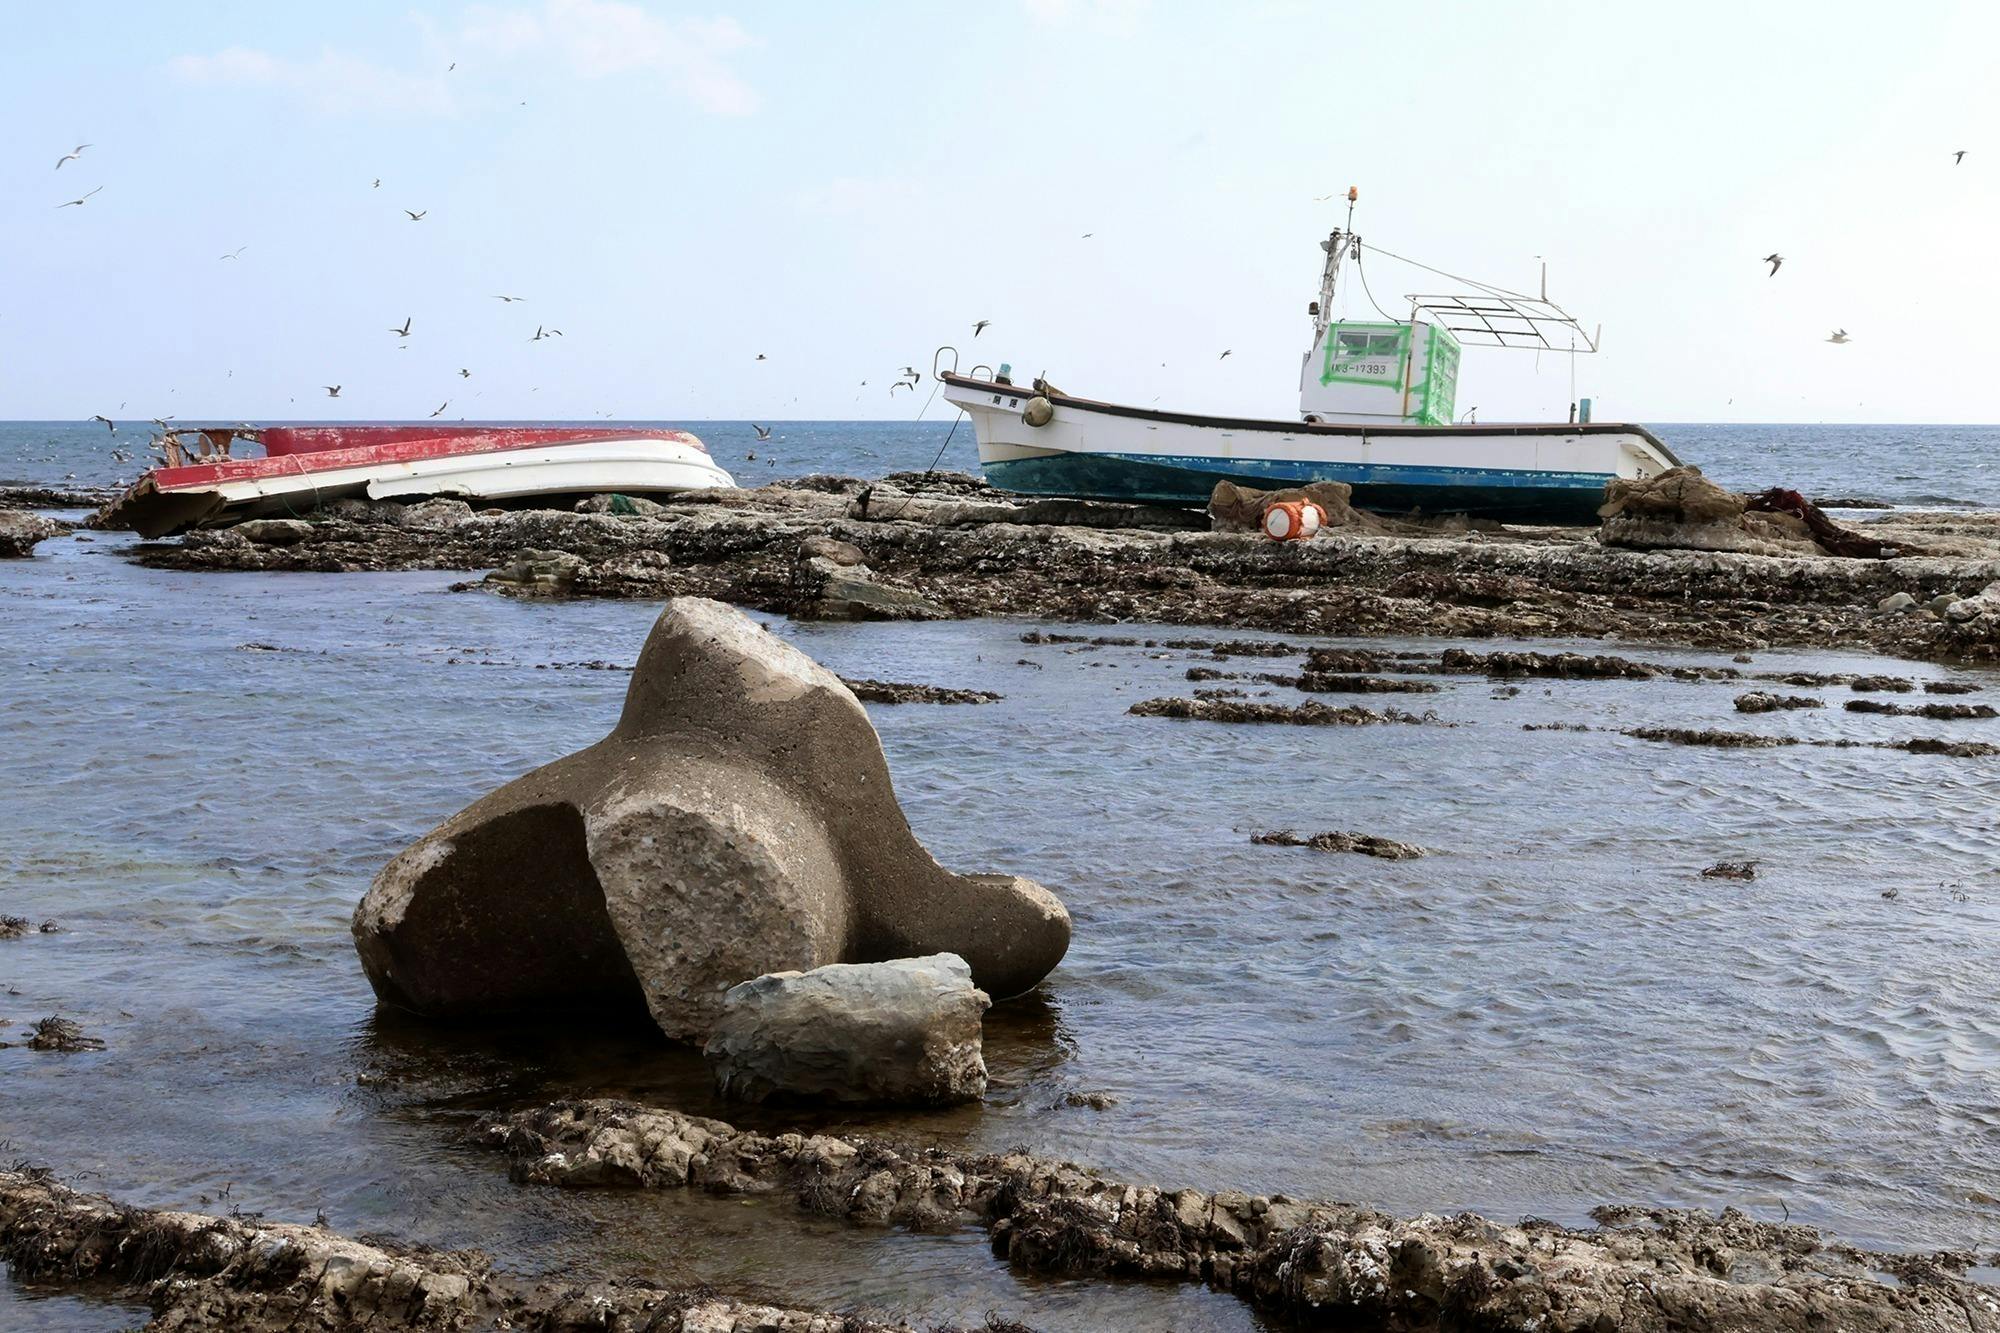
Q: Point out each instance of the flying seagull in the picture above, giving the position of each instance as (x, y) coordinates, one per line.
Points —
(762, 357)
(78, 152)
(441, 407)
(332, 390)
(237, 251)
(763, 432)
(109, 424)
(464, 374)
(377, 185)
(1225, 352)
(911, 371)
(1087, 235)
(76, 202)
(1956, 158)
(403, 332)
(509, 299)
(416, 217)
(980, 326)
(899, 384)
(1838, 336)
(1774, 259)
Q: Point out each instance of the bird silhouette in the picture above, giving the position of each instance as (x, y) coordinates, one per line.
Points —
(237, 251)
(76, 203)
(1774, 259)
(1225, 352)
(509, 299)
(332, 390)
(980, 327)
(1956, 158)
(763, 432)
(762, 357)
(110, 425)
(464, 374)
(416, 217)
(403, 332)
(1838, 336)
(441, 407)
(77, 152)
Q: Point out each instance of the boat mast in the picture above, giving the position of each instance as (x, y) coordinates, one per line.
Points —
(1342, 242)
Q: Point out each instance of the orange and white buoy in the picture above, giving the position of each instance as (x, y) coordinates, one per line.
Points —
(1293, 520)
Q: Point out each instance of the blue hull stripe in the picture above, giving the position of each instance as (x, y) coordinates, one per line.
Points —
(1165, 479)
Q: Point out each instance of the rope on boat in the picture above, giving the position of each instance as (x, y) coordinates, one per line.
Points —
(1470, 282)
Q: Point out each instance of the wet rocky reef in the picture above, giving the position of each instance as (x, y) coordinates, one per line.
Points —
(916, 546)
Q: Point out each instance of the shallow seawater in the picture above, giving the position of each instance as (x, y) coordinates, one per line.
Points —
(1552, 1011)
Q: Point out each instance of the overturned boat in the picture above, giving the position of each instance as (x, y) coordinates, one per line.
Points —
(202, 480)
(1377, 409)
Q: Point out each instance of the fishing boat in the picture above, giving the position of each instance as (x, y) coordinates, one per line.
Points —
(202, 481)
(1377, 411)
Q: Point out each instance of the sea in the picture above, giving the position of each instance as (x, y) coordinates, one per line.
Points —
(1553, 1010)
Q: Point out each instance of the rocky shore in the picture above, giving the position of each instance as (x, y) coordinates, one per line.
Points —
(241, 1274)
(1316, 1264)
(947, 546)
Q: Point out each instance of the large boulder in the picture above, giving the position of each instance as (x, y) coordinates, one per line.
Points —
(19, 533)
(738, 820)
(900, 1033)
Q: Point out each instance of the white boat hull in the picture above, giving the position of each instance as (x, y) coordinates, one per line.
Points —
(1106, 451)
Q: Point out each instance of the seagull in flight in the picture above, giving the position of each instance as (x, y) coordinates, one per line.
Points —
(75, 203)
(762, 357)
(237, 251)
(899, 384)
(109, 424)
(377, 185)
(441, 407)
(1225, 353)
(763, 432)
(509, 299)
(77, 152)
(332, 390)
(403, 332)
(1774, 259)
(978, 328)
(464, 374)
(1838, 336)
(416, 217)
(1956, 158)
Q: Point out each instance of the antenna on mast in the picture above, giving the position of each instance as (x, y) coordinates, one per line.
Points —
(1337, 247)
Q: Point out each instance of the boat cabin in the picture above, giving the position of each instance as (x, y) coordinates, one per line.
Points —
(1381, 374)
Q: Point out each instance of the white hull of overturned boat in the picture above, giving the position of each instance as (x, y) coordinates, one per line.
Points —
(586, 467)
(494, 466)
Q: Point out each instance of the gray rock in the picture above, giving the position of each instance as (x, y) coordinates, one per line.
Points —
(832, 589)
(738, 820)
(434, 515)
(19, 532)
(1984, 604)
(275, 531)
(625, 506)
(1894, 602)
(539, 571)
(904, 1032)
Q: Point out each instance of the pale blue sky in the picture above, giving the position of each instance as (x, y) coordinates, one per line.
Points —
(843, 188)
